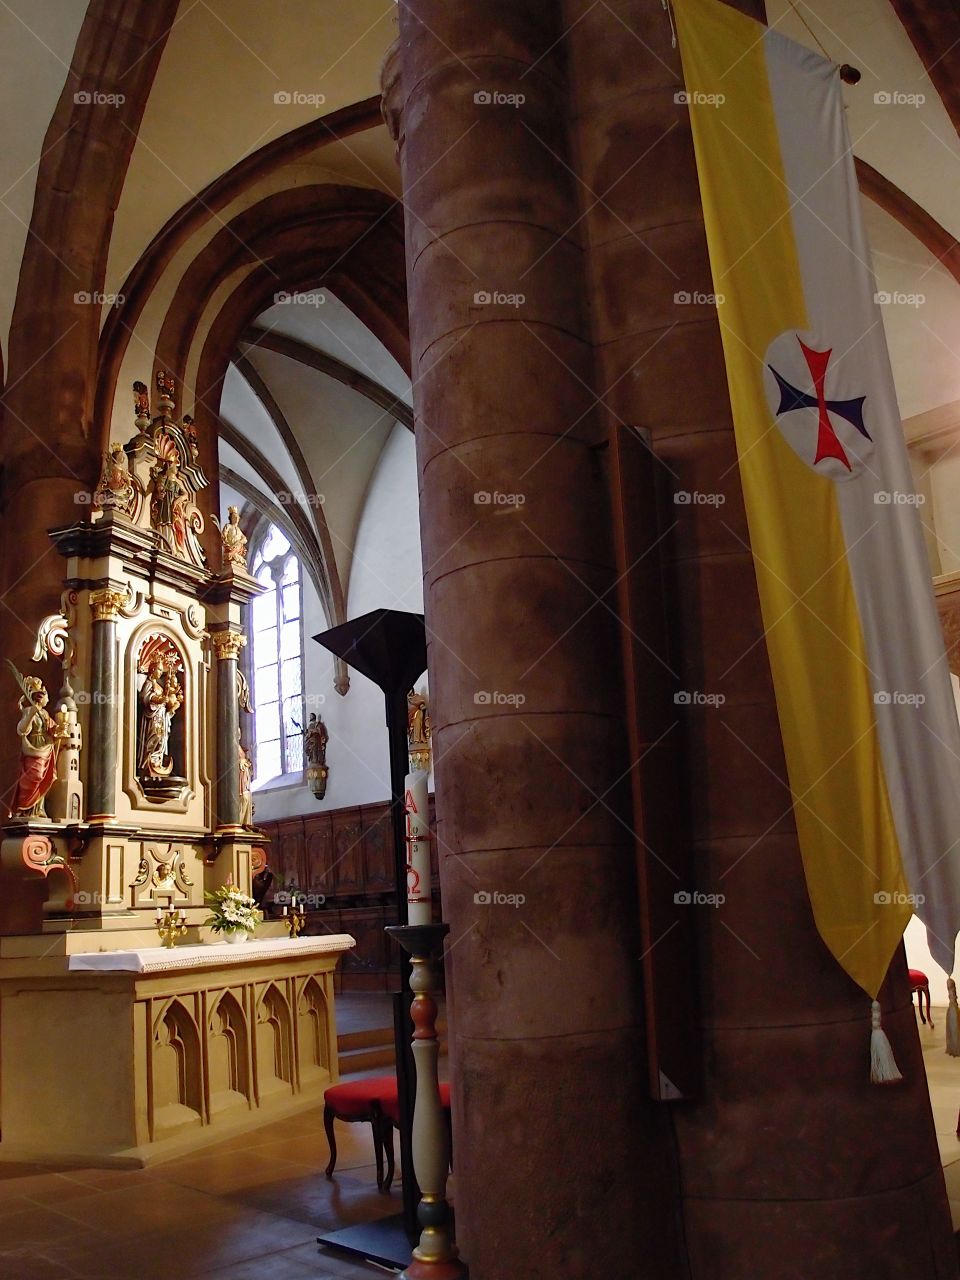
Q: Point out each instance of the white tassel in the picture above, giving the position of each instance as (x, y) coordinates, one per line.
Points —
(953, 1021)
(883, 1068)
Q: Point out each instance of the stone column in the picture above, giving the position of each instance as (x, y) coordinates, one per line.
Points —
(227, 646)
(791, 1154)
(563, 1165)
(106, 603)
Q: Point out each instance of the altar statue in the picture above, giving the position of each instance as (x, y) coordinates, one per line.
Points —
(115, 490)
(161, 697)
(168, 505)
(40, 739)
(246, 786)
(234, 540)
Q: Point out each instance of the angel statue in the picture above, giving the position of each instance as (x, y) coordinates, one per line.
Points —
(161, 697)
(40, 739)
(115, 491)
(234, 540)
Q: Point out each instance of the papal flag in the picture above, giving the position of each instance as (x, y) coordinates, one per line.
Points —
(867, 715)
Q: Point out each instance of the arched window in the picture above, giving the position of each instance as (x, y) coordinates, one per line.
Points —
(277, 653)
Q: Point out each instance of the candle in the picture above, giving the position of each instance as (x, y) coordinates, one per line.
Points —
(284, 910)
(302, 908)
(419, 902)
(159, 915)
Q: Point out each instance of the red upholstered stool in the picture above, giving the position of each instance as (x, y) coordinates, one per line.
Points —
(390, 1119)
(920, 984)
(357, 1102)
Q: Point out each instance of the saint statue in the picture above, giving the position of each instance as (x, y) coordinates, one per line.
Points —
(115, 491)
(40, 738)
(315, 742)
(192, 436)
(141, 403)
(234, 540)
(168, 505)
(418, 720)
(161, 697)
(246, 786)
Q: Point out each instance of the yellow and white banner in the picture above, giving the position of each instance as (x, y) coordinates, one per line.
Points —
(869, 726)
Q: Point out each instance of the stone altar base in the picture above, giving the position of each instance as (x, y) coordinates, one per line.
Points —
(129, 1057)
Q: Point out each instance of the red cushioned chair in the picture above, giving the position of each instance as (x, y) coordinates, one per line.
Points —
(920, 984)
(358, 1102)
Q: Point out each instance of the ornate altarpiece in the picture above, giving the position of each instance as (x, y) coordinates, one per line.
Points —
(149, 809)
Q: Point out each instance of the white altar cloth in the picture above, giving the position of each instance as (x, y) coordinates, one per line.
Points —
(159, 959)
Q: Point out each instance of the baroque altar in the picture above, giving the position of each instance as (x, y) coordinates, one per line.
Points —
(133, 800)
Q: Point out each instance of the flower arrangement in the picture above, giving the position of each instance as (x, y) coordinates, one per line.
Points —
(232, 911)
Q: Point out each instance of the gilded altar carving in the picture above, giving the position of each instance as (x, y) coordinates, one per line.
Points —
(227, 644)
(106, 603)
(160, 759)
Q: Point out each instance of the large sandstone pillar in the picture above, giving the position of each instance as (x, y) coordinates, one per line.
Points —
(583, 198)
(792, 1164)
(563, 1165)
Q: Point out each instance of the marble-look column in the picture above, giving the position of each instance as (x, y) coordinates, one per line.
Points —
(563, 1165)
(227, 646)
(105, 602)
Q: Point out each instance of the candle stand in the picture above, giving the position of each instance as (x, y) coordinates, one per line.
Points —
(435, 1258)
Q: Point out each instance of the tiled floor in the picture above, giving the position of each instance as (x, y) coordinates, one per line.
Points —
(249, 1208)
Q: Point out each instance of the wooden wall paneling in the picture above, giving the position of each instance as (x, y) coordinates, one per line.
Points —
(318, 833)
(347, 867)
(378, 853)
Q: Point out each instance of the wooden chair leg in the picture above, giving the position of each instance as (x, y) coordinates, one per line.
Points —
(388, 1147)
(376, 1124)
(331, 1139)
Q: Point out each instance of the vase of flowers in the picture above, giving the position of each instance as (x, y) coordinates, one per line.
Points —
(233, 914)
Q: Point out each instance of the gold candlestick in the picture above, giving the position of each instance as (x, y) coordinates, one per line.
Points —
(294, 921)
(171, 925)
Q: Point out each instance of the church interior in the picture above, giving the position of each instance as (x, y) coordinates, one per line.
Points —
(405, 861)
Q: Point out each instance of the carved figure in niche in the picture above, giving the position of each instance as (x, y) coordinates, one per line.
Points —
(161, 697)
(169, 497)
(418, 720)
(234, 540)
(315, 741)
(246, 785)
(40, 739)
(115, 490)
